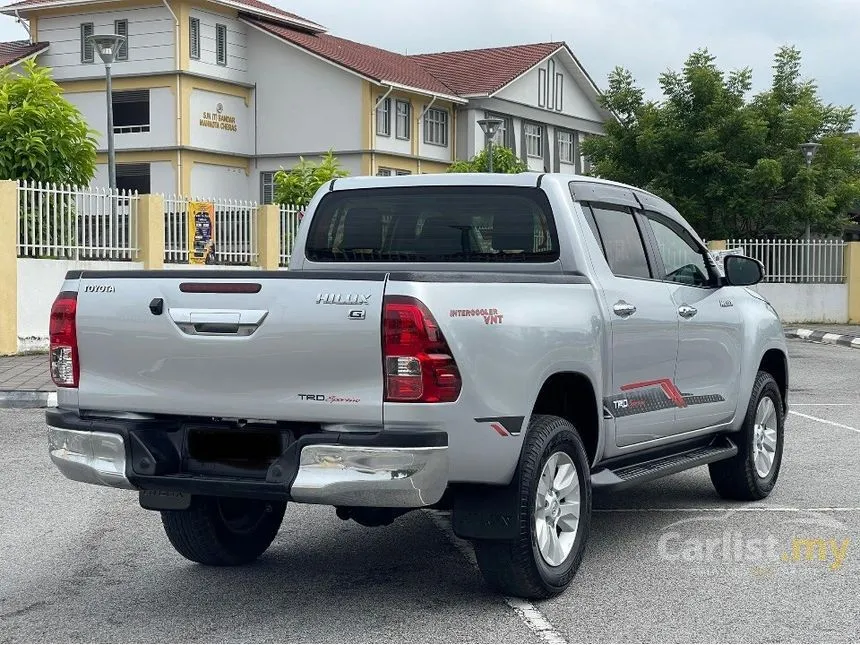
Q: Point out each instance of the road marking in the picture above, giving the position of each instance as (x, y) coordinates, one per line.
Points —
(739, 509)
(823, 405)
(830, 423)
(527, 612)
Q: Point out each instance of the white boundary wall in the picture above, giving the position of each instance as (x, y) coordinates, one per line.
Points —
(813, 303)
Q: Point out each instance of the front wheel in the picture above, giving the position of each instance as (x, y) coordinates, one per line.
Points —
(223, 531)
(553, 511)
(752, 473)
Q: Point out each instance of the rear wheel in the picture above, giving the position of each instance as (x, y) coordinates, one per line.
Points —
(223, 531)
(752, 473)
(554, 515)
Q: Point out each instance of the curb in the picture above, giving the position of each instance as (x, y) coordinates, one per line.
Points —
(845, 340)
(27, 399)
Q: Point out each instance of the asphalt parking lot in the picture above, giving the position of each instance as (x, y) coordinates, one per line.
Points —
(668, 561)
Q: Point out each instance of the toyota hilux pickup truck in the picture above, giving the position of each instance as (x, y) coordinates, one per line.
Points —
(496, 346)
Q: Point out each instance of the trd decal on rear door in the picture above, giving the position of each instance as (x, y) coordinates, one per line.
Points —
(650, 396)
(504, 426)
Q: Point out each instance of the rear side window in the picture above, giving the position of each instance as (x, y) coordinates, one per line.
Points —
(622, 243)
(433, 224)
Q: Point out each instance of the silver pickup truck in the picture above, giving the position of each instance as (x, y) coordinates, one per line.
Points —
(495, 345)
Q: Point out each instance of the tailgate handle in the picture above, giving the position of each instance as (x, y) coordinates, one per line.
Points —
(218, 322)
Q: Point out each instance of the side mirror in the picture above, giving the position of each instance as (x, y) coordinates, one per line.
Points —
(742, 271)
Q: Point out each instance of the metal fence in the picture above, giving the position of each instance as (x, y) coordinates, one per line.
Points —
(289, 227)
(73, 223)
(797, 261)
(235, 230)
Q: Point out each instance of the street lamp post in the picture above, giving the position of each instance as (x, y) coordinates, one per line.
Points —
(809, 149)
(107, 45)
(490, 128)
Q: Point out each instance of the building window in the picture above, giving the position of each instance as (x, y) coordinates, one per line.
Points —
(403, 111)
(565, 146)
(534, 140)
(134, 176)
(383, 117)
(87, 47)
(194, 37)
(221, 43)
(436, 127)
(402, 172)
(121, 27)
(267, 187)
(391, 172)
(130, 111)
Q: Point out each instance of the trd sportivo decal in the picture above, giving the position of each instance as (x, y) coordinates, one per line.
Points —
(504, 426)
(650, 396)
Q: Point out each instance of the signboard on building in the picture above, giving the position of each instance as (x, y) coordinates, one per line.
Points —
(221, 123)
(201, 233)
(219, 120)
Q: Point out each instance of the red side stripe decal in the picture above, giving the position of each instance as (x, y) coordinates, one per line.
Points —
(666, 384)
(498, 427)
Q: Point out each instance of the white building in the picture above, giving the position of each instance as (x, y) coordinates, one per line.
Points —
(211, 97)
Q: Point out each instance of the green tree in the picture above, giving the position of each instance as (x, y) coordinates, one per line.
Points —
(730, 163)
(298, 185)
(43, 137)
(504, 161)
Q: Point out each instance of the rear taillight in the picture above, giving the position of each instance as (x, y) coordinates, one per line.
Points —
(418, 364)
(65, 367)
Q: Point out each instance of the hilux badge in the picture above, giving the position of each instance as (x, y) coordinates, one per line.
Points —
(342, 299)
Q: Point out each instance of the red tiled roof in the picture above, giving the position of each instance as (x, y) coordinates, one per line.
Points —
(16, 50)
(483, 71)
(252, 6)
(372, 62)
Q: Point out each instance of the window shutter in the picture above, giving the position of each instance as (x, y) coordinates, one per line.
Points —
(194, 37)
(87, 47)
(121, 27)
(221, 43)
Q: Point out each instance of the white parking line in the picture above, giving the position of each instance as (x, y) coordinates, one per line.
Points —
(527, 612)
(823, 405)
(830, 423)
(739, 509)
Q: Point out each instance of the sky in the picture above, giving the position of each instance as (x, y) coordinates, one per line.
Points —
(645, 36)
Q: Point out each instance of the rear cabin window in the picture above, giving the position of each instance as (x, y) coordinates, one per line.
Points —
(433, 224)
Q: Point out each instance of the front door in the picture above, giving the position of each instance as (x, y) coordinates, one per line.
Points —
(708, 366)
(641, 395)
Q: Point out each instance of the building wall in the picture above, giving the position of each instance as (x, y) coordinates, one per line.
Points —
(796, 303)
(162, 118)
(223, 182)
(150, 41)
(220, 122)
(162, 174)
(236, 68)
(574, 100)
(304, 105)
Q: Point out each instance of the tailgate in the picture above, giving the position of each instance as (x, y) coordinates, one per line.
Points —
(240, 344)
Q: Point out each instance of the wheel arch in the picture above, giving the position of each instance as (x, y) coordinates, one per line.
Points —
(775, 362)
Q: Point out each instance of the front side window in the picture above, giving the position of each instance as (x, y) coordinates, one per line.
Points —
(565, 146)
(622, 244)
(383, 118)
(682, 262)
(434, 224)
(403, 113)
(436, 127)
(221, 43)
(534, 140)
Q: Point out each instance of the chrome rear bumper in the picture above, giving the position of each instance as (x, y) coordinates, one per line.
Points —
(331, 474)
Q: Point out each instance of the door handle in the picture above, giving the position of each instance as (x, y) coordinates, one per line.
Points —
(686, 311)
(218, 322)
(623, 309)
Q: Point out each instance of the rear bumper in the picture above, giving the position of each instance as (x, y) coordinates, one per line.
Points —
(382, 469)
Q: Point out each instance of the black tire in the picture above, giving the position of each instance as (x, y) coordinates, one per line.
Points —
(516, 567)
(737, 478)
(221, 531)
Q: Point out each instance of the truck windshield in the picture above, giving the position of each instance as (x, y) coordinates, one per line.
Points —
(433, 224)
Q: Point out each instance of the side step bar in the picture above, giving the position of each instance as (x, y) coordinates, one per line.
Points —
(633, 474)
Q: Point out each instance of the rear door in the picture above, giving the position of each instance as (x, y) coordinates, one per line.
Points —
(298, 347)
(642, 396)
(709, 349)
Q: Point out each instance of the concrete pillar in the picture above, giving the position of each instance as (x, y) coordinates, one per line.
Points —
(150, 231)
(852, 277)
(268, 236)
(8, 267)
